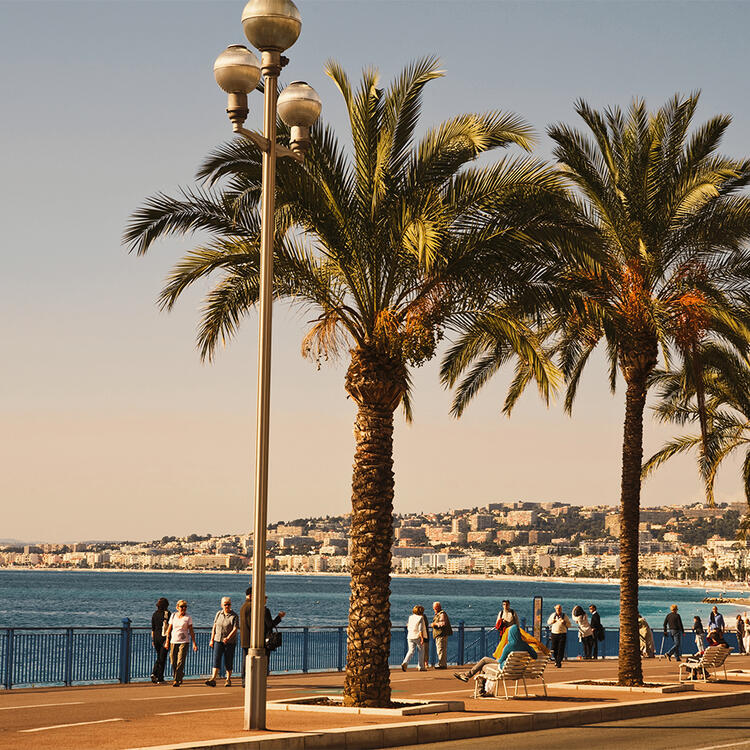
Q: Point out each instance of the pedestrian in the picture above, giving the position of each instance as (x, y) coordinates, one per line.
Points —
(585, 631)
(515, 642)
(598, 628)
(559, 623)
(505, 618)
(716, 620)
(224, 641)
(673, 627)
(646, 637)
(441, 631)
(740, 635)
(746, 636)
(159, 626)
(416, 635)
(179, 634)
(246, 619)
(699, 634)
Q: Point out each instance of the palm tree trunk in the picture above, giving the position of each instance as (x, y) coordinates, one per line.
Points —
(630, 671)
(377, 385)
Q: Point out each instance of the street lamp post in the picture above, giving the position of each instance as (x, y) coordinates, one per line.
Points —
(272, 26)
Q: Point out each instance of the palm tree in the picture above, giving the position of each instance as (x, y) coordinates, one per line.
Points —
(725, 380)
(668, 227)
(384, 246)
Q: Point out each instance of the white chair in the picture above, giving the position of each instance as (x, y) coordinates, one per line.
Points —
(513, 671)
(714, 658)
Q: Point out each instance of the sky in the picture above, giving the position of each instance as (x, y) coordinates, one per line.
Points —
(112, 428)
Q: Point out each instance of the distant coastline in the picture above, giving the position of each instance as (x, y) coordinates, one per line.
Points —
(707, 585)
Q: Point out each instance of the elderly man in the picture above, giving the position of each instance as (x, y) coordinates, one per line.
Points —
(441, 629)
(558, 624)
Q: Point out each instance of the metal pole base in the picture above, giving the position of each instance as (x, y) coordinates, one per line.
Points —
(256, 669)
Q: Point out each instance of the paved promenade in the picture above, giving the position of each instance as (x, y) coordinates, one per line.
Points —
(146, 715)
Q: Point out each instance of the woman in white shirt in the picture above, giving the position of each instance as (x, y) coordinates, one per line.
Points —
(585, 631)
(416, 636)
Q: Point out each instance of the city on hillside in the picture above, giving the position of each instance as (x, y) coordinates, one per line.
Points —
(688, 542)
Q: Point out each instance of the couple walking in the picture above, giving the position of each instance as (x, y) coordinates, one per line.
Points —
(417, 636)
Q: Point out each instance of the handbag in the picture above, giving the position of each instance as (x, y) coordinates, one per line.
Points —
(273, 640)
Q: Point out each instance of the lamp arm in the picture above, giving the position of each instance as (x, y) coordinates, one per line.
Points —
(262, 143)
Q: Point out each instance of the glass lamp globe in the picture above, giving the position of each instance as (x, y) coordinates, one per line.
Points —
(271, 24)
(299, 105)
(237, 70)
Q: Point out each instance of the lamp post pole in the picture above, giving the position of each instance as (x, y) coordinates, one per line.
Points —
(272, 26)
(257, 669)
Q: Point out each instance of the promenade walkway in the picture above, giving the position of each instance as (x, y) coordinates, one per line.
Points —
(145, 715)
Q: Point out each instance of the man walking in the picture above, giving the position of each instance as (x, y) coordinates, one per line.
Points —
(246, 620)
(558, 624)
(673, 627)
(441, 629)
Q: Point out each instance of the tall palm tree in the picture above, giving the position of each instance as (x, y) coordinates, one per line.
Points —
(384, 246)
(668, 225)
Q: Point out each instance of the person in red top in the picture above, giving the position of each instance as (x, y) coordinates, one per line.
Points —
(505, 618)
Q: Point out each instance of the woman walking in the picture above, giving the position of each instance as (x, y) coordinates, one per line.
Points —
(585, 631)
(416, 637)
(224, 641)
(746, 634)
(699, 634)
(180, 633)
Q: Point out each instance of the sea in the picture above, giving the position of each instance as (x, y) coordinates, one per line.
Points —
(58, 598)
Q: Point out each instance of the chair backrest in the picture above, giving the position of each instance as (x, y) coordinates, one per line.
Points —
(515, 665)
(715, 656)
(535, 668)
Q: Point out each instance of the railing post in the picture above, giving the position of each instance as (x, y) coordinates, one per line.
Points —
(482, 642)
(68, 679)
(523, 623)
(125, 650)
(461, 642)
(9, 658)
(340, 653)
(305, 634)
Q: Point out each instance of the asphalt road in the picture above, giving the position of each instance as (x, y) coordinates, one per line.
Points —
(718, 729)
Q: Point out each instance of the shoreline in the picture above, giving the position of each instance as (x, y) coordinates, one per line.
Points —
(707, 586)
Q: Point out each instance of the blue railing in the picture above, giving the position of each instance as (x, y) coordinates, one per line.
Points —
(67, 656)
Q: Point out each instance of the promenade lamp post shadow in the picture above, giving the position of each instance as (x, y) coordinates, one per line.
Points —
(272, 26)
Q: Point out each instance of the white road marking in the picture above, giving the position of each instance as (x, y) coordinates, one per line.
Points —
(63, 726)
(445, 692)
(176, 696)
(730, 744)
(171, 696)
(41, 705)
(199, 711)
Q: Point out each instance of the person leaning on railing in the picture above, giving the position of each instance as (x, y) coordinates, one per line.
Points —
(179, 634)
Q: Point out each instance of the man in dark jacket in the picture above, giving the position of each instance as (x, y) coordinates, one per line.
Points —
(246, 619)
(673, 628)
(740, 635)
(598, 628)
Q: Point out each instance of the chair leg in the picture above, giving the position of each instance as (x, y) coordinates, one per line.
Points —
(525, 688)
(505, 688)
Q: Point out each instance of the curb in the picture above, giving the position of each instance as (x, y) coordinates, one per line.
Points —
(422, 732)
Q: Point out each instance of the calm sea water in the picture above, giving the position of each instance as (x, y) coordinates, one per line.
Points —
(85, 598)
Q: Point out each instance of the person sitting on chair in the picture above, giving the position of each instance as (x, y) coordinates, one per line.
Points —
(515, 643)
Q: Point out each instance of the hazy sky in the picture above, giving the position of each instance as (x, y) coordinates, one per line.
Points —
(111, 427)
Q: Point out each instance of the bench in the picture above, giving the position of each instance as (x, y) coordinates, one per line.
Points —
(713, 659)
